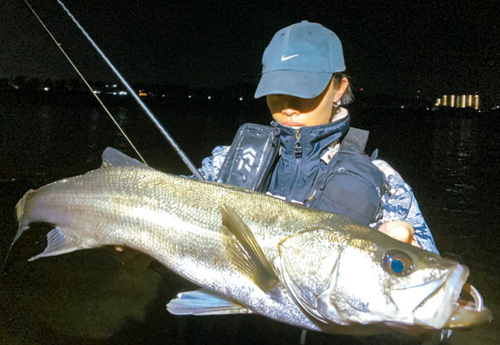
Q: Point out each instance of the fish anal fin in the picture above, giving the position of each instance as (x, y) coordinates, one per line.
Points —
(203, 302)
(58, 243)
(246, 252)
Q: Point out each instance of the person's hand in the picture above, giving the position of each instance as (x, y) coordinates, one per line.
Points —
(399, 230)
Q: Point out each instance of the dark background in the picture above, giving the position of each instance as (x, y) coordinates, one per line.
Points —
(391, 47)
(102, 297)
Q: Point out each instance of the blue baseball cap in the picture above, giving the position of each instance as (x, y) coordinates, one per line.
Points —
(300, 61)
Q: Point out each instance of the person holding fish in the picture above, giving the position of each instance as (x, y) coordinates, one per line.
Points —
(249, 253)
(309, 154)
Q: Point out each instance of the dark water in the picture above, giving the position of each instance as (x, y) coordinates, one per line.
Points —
(105, 297)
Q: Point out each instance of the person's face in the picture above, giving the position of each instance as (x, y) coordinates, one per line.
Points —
(295, 111)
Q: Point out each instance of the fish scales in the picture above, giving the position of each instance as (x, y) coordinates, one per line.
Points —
(151, 214)
(252, 253)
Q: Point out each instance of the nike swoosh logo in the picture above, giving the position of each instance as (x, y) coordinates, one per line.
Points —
(284, 58)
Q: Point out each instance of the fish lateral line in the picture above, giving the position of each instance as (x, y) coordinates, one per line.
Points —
(246, 252)
(293, 284)
(57, 242)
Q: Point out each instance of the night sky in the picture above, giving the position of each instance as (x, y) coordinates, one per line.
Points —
(391, 47)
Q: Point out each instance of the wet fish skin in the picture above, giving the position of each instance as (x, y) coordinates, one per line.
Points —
(173, 219)
(257, 254)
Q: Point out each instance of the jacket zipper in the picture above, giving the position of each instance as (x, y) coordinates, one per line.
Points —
(298, 156)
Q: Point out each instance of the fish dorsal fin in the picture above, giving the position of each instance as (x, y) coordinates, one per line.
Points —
(204, 302)
(246, 252)
(115, 158)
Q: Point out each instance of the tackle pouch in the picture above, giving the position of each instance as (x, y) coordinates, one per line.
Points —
(351, 185)
(251, 157)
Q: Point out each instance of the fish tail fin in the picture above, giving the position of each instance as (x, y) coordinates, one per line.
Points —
(22, 227)
(18, 234)
(20, 207)
(19, 214)
(58, 242)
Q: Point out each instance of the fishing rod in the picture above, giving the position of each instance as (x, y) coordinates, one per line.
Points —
(155, 121)
(85, 82)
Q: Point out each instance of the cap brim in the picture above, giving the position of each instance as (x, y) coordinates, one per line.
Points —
(293, 83)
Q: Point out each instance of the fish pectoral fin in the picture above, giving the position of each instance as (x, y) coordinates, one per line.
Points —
(58, 243)
(203, 302)
(246, 252)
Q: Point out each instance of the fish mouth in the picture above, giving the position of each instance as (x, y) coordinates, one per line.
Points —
(478, 304)
(468, 313)
(458, 312)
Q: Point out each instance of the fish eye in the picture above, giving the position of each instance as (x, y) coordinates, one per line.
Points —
(397, 262)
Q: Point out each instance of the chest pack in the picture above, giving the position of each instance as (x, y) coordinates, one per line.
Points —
(350, 185)
(251, 157)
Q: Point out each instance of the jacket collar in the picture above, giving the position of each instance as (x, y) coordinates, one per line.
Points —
(314, 140)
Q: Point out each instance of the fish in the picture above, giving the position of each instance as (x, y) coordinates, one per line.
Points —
(250, 253)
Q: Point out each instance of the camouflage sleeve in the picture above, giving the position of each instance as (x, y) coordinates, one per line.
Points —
(210, 166)
(399, 203)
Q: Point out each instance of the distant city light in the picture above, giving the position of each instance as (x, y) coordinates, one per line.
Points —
(46, 88)
(209, 97)
(122, 93)
(459, 101)
(241, 98)
(115, 85)
(163, 95)
(361, 89)
(97, 92)
(402, 107)
(189, 96)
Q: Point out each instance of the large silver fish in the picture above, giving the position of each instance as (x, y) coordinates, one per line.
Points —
(252, 253)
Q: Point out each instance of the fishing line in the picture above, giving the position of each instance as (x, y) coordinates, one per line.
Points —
(85, 81)
(158, 125)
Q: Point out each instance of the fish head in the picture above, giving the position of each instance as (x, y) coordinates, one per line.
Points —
(363, 277)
